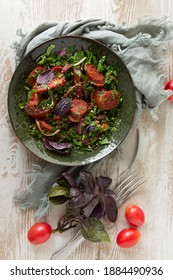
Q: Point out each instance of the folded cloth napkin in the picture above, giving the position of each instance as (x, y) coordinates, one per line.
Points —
(142, 46)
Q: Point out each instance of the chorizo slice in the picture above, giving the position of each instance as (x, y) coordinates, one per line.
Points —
(94, 75)
(78, 110)
(56, 69)
(106, 99)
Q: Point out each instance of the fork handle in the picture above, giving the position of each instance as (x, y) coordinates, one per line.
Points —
(70, 247)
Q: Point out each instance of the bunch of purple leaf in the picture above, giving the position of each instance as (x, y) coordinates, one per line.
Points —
(87, 199)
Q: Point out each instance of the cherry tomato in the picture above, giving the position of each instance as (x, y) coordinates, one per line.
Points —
(39, 233)
(134, 215)
(169, 85)
(128, 237)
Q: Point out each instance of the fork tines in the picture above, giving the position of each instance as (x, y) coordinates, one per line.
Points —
(128, 186)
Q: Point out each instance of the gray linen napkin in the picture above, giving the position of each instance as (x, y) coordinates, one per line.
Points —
(141, 46)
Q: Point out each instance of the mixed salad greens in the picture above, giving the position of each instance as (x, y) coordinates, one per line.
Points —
(73, 100)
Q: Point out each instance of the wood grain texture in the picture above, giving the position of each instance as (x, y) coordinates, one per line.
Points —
(154, 160)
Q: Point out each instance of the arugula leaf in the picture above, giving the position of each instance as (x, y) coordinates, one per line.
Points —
(91, 58)
(101, 65)
(43, 58)
(104, 141)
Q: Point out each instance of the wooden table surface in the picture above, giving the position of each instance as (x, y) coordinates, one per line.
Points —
(155, 155)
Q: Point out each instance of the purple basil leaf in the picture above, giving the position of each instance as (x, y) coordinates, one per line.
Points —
(103, 182)
(48, 146)
(87, 182)
(66, 67)
(45, 77)
(98, 211)
(62, 107)
(88, 128)
(54, 146)
(74, 192)
(61, 221)
(109, 192)
(70, 179)
(111, 210)
(77, 197)
(91, 128)
(61, 181)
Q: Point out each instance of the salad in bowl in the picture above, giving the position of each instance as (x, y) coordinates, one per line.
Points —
(71, 101)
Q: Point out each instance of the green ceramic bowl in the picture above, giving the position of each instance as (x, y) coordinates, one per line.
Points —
(21, 121)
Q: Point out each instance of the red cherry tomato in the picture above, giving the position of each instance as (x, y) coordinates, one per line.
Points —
(39, 233)
(169, 85)
(134, 215)
(128, 237)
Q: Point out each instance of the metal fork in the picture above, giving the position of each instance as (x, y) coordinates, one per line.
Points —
(127, 187)
(123, 191)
